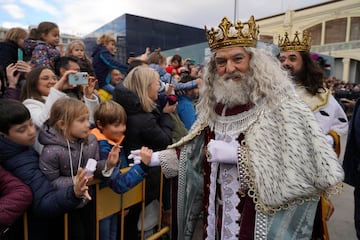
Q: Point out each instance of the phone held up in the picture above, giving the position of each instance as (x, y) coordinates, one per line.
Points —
(80, 78)
(20, 55)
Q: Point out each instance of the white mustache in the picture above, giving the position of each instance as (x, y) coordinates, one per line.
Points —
(234, 75)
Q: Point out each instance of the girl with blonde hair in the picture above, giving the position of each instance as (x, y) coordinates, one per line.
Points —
(67, 147)
(76, 49)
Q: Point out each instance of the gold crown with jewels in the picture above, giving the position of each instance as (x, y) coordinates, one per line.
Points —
(296, 44)
(242, 34)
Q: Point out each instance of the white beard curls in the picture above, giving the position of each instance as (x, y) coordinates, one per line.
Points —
(232, 93)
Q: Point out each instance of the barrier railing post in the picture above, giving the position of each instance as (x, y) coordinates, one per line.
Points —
(26, 229)
(66, 226)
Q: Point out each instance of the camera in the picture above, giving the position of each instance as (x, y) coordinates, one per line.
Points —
(80, 78)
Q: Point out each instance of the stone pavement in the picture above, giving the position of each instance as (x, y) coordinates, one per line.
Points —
(341, 224)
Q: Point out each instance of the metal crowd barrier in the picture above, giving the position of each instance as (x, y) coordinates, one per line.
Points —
(107, 203)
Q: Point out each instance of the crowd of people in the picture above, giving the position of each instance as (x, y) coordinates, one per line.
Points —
(249, 145)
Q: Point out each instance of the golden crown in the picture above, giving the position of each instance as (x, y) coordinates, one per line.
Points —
(228, 35)
(296, 45)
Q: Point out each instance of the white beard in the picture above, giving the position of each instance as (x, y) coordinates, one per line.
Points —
(232, 93)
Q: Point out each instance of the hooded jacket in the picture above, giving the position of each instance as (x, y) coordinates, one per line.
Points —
(23, 162)
(55, 160)
(42, 54)
(103, 61)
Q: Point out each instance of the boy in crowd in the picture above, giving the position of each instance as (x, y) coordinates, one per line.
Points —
(110, 119)
(17, 135)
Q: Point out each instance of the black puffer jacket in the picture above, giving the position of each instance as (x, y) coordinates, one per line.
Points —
(152, 130)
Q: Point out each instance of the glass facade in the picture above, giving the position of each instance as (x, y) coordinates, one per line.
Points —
(135, 34)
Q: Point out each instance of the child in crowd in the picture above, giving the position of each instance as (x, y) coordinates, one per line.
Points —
(41, 44)
(175, 67)
(17, 135)
(110, 119)
(103, 60)
(67, 147)
(157, 61)
(77, 49)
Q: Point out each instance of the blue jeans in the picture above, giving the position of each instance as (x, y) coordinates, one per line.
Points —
(109, 228)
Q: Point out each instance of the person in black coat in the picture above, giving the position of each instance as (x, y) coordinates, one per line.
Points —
(14, 40)
(351, 163)
(146, 126)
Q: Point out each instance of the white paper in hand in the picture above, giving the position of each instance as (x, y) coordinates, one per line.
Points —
(90, 166)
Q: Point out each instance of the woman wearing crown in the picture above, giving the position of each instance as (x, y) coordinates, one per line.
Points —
(255, 162)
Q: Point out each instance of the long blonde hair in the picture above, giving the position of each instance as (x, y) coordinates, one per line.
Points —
(139, 80)
(66, 109)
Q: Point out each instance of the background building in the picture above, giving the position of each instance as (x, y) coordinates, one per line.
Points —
(335, 31)
(134, 34)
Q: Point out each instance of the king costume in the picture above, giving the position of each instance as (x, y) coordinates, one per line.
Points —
(283, 165)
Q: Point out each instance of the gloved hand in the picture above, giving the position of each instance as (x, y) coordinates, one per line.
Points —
(135, 154)
(222, 152)
(155, 161)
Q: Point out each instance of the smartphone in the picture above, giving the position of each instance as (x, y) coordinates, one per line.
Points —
(20, 55)
(80, 78)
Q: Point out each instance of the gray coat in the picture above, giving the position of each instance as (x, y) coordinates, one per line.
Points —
(54, 160)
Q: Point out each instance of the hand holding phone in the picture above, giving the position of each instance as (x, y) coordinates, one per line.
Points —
(79, 78)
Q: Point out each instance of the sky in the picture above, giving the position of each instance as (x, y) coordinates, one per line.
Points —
(81, 17)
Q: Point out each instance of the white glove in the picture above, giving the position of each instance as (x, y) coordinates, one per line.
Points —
(222, 152)
(155, 161)
(135, 154)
